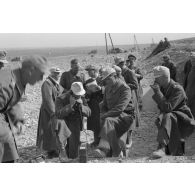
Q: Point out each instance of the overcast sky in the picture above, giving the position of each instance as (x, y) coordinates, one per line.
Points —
(14, 40)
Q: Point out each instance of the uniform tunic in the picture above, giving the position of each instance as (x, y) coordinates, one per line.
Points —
(176, 121)
(68, 78)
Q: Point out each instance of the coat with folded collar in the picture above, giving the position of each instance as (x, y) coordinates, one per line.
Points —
(117, 115)
(73, 120)
(176, 117)
(46, 137)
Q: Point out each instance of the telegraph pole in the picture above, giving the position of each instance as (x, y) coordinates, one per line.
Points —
(106, 44)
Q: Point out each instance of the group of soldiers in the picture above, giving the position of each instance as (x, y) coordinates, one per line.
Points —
(110, 99)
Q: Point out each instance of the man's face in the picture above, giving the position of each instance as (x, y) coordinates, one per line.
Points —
(161, 81)
(166, 59)
(36, 75)
(56, 76)
(131, 61)
(127, 63)
(75, 68)
(76, 97)
(109, 81)
(121, 65)
(92, 73)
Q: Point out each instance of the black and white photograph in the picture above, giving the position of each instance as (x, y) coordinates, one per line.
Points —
(97, 97)
(112, 97)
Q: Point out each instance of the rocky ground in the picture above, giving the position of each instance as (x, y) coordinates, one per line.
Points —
(144, 140)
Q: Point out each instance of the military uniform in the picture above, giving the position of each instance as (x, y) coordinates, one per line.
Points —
(11, 91)
(132, 82)
(68, 78)
(46, 138)
(73, 120)
(176, 121)
(117, 115)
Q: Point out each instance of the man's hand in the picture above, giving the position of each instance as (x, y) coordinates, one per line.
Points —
(72, 101)
(155, 87)
(102, 116)
(19, 128)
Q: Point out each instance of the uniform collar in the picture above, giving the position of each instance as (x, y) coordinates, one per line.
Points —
(56, 82)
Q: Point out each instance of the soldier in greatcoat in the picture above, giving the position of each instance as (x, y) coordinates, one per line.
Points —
(175, 122)
(46, 136)
(116, 115)
(12, 86)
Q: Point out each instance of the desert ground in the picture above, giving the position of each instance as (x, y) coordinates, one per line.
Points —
(144, 138)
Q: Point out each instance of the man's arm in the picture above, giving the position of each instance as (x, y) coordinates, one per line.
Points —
(139, 75)
(168, 105)
(123, 101)
(47, 99)
(85, 108)
(103, 104)
(63, 107)
(132, 80)
(63, 80)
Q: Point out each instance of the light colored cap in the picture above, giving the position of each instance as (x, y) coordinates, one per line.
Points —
(55, 70)
(161, 71)
(77, 88)
(3, 57)
(117, 68)
(107, 72)
(118, 60)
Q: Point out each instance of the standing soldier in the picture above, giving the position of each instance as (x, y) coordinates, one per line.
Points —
(94, 96)
(131, 80)
(71, 76)
(46, 138)
(12, 86)
(132, 66)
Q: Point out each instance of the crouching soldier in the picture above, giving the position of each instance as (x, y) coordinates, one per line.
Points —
(116, 115)
(72, 107)
(175, 122)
